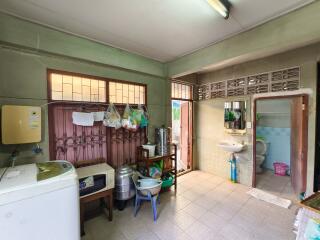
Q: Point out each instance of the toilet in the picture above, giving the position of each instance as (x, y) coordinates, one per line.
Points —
(261, 151)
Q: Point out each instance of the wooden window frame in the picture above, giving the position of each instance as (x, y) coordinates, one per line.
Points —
(144, 86)
(106, 80)
(183, 83)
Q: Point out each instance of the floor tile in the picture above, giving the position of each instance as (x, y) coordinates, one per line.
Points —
(217, 210)
(198, 231)
(169, 231)
(213, 221)
(206, 202)
(184, 220)
(194, 210)
(191, 195)
(277, 185)
(226, 211)
(232, 232)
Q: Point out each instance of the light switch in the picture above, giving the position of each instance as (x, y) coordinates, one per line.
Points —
(249, 125)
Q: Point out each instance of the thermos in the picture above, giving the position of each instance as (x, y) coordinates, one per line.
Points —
(163, 140)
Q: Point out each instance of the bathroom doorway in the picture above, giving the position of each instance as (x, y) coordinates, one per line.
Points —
(280, 145)
(182, 133)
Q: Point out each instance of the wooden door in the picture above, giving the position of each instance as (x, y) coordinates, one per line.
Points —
(299, 143)
(184, 134)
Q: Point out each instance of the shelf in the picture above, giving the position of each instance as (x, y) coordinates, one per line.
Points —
(168, 170)
(274, 113)
(157, 158)
(169, 164)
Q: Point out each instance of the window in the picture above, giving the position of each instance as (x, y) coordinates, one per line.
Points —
(181, 91)
(80, 145)
(75, 88)
(82, 88)
(126, 93)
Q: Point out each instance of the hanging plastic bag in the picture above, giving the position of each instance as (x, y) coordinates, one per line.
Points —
(125, 122)
(144, 118)
(137, 115)
(133, 126)
(128, 121)
(112, 117)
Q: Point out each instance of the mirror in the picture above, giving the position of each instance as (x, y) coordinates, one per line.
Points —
(235, 115)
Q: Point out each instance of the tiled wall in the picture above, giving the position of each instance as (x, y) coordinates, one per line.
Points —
(279, 145)
(210, 131)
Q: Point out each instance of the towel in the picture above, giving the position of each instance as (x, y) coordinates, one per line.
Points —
(270, 198)
(82, 119)
(98, 116)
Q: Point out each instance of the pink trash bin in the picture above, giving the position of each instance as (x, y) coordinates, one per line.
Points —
(280, 168)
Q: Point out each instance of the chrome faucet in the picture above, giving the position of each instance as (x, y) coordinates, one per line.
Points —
(13, 157)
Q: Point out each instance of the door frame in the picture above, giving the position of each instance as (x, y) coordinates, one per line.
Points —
(254, 124)
(316, 175)
(190, 149)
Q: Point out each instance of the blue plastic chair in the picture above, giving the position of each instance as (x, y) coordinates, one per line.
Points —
(146, 194)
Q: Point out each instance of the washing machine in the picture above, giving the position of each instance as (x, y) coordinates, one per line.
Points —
(39, 202)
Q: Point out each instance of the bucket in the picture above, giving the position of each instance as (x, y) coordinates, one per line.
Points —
(151, 148)
(280, 169)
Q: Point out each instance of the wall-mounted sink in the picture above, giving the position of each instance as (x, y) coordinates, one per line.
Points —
(232, 147)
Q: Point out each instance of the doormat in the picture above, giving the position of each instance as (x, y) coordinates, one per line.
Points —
(270, 198)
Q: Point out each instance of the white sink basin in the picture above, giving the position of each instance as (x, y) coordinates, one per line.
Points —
(232, 147)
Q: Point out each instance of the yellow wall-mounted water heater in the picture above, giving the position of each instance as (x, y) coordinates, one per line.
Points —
(20, 124)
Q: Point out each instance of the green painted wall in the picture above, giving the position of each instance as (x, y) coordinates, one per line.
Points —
(28, 49)
(24, 34)
(23, 81)
(296, 29)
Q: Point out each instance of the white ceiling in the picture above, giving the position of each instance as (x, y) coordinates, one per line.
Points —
(159, 29)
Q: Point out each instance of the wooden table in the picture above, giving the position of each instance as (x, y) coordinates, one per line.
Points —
(106, 196)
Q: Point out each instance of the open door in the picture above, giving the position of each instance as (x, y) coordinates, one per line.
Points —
(184, 135)
(299, 143)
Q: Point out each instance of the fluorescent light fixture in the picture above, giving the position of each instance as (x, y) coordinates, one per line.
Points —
(221, 6)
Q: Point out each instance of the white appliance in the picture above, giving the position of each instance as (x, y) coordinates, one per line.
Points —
(261, 151)
(98, 178)
(39, 202)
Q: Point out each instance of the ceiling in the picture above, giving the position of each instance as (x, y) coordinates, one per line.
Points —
(159, 29)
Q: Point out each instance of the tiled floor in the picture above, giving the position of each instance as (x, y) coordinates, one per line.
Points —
(278, 185)
(206, 207)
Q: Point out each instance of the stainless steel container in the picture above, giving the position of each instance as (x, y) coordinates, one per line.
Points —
(163, 140)
(124, 186)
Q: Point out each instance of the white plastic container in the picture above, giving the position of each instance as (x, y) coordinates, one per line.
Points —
(149, 185)
(151, 148)
(148, 182)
